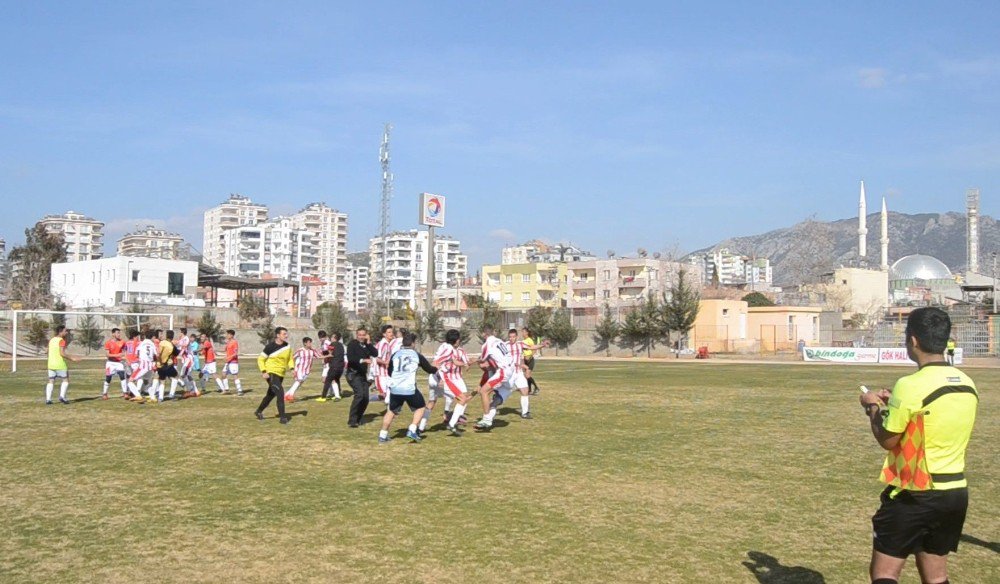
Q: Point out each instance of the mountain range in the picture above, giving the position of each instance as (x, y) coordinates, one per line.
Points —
(811, 247)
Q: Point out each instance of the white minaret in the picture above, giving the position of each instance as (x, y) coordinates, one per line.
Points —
(862, 223)
(884, 265)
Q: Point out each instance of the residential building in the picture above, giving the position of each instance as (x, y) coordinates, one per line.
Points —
(328, 228)
(537, 251)
(151, 242)
(866, 291)
(406, 265)
(275, 247)
(4, 271)
(356, 294)
(621, 282)
(115, 280)
(83, 236)
(237, 211)
(522, 286)
(758, 275)
(731, 269)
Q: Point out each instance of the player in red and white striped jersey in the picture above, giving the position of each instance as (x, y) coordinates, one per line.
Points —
(450, 359)
(498, 369)
(303, 365)
(381, 366)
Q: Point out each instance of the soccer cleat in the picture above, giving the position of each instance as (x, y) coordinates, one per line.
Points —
(321, 400)
(413, 436)
(284, 420)
(289, 398)
(48, 402)
(526, 416)
(534, 391)
(259, 415)
(336, 399)
(239, 393)
(483, 425)
(104, 396)
(382, 440)
(462, 420)
(455, 431)
(63, 400)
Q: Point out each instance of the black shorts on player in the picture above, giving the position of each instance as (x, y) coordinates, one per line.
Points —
(414, 400)
(166, 372)
(920, 521)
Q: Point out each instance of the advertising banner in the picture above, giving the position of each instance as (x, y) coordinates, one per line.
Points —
(841, 354)
(431, 210)
(897, 356)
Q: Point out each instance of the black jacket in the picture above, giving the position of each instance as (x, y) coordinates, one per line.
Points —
(337, 363)
(356, 351)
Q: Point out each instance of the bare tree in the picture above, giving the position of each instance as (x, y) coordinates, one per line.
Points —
(31, 266)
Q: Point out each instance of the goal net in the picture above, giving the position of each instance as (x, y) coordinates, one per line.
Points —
(29, 331)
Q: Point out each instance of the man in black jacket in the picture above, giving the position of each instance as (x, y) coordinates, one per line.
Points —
(336, 368)
(360, 353)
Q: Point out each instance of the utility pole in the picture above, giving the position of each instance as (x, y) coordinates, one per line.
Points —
(383, 155)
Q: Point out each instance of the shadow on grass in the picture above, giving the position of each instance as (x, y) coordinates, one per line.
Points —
(768, 570)
(77, 400)
(990, 545)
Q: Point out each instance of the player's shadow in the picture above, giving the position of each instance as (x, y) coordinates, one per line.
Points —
(768, 570)
(508, 411)
(77, 400)
(297, 413)
(990, 545)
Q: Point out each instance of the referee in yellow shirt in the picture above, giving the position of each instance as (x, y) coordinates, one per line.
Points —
(925, 428)
(531, 344)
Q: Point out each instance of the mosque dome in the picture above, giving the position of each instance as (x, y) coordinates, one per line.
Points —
(922, 267)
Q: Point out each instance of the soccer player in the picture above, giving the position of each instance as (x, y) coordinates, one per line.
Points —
(324, 349)
(403, 388)
(531, 344)
(185, 368)
(57, 365)
(495, 360)
(925, 428)
(208, 365)
(382, 362)
(519, 380)
(165, 368)
(274, 361)
(448, 382)
(145, 366)
(232, 366)
(951, 351)
(131, 357)
(338, 363)
(114, 349)
(304, 356)
(195, 349)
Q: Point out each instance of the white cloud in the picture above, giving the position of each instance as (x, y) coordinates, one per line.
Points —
(872, 77)
(504, 234)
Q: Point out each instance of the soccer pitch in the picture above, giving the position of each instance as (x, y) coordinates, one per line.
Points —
(630, 472)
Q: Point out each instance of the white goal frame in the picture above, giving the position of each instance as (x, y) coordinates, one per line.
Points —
(138, 324)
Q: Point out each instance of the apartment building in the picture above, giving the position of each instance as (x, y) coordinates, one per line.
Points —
(83, 236)
(237, 211)
(522, 286)
(151, 242)
(406, 265)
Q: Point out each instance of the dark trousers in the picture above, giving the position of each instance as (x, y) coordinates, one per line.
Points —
(359, 403)
(332, 376)
(274, 391)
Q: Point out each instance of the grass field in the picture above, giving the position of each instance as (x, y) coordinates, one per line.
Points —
(630, 472)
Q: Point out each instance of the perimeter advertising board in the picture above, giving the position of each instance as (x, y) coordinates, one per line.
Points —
(885, 356)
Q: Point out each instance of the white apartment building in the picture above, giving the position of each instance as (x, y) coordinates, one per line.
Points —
(407, 262)
(622, 282)
(356, 296)
(110, 281)
(732, 269)
(237, 211)
(84, 236)
(537, 251)
(151, 242)
(328, 228)
(275, 247)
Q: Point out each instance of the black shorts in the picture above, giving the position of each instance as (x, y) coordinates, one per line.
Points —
(166, 372)
(920, 521)
(530, 362)
(414, 400)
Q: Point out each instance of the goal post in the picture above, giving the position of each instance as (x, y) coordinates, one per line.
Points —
(31, 326)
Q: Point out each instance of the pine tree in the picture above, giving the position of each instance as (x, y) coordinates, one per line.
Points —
(38, 331)
(538, 320)
(561, 329)
(429, 327)
(88, 333)
(207, 325)
(330, 317)
(265, 329)
(607, 330)
(652, 322)
(251, 307)
(681, 309)
(633, 328)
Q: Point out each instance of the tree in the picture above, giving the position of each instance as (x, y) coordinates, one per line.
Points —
(265, 329)
(429, 327)
(474, 300)
(373, 322)
(653, 322)
(59, 319)
(465, 332)
(607, 330)
(251, 307)
(561, 330)
(88, 333)
(681, 309)
(757, 299)
(207, 325)
(538, 320)
(38, 331)
(330, 317)
(32, 267)
(633, 329)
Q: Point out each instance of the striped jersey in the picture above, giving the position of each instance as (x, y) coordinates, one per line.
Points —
(497, 352)
(184, 346)
(304, 361)
(146, 353)
(383, 353)
(517, 352)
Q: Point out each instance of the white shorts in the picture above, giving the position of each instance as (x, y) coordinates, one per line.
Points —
(60, 373)
(209, 368)
(144, 372)
(301, 378)
(231, 368)
(382, 384)
(501, 378)
(519, 381)
(114, 368)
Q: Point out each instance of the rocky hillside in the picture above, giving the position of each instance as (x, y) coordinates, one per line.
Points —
(804, 250)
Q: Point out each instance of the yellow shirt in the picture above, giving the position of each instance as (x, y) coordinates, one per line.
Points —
(56, 361)
(530, 342)
(276, 359)
(936, 406)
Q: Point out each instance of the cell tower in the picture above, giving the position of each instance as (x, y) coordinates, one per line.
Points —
(972, 233)
(383, 156)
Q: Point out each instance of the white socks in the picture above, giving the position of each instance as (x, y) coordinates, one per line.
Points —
(124, 387)
(448, 401)
(239, 386)
(219, 382)
(457, 414)
(336, 389)
(173, 386)
(62, 389)
(524, 404)
(383, 434)
(291, 390)
(48, 391)
(423, 420)
(412, 428)
(104, 391)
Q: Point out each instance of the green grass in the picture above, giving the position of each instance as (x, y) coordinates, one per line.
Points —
(631, 472)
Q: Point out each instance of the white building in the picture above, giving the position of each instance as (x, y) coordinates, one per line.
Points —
(151, 242)
(328, 229)
(733, 269)
(406, 265)
(356, 296)
(275, 247)
(237, 211)
(537, 251)
(84, 236)
(622, 282)
(3, 270)
(109, 281)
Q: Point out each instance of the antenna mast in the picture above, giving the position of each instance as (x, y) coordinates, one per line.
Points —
(383, 156)
(972, 233)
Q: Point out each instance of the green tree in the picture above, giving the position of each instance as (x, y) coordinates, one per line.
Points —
(32, 279)
(538, 320)
(251, 307)
(633, 329)
(474, 300)
(608, 329)
(653, 322)
(429, 327)
(465, 332)
(59, 319)
(89, 335)
(330, 317)
(757, 299)
(561, 330)
(207, 325)
(681, 309)
(265, 329)
(38, 331)
(373, 321)
(491, 315)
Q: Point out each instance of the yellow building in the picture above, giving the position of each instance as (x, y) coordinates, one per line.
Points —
(780, 328)
(522, 286)
(721, 325)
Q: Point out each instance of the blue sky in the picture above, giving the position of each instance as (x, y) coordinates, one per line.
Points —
(612, 125)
